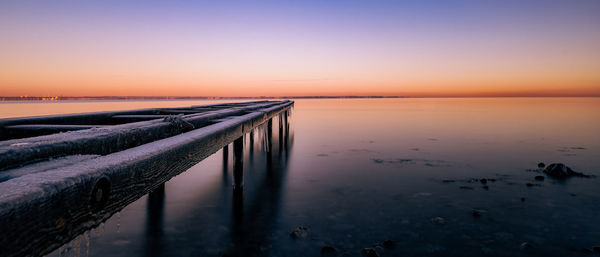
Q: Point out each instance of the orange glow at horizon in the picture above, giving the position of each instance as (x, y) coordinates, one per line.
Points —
(254, 52)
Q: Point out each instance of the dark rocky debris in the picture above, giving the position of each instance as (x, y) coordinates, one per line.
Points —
(562, 171)
(389, 244)
(328, 251)
(299, 232)
(527, 246)
(369, 252)
(438, 220)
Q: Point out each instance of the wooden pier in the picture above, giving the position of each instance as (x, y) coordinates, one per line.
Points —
(61, 175)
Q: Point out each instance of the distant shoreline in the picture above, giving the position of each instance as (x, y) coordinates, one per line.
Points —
(72, 98)
(103, 98)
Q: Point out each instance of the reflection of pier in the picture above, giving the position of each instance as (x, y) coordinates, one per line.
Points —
(253, 217)
(72, 181)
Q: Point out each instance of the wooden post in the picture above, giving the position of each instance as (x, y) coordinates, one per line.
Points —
(287, 129)
(280, 138)
(225, 158)
(251, 140)
(269, 143)
(238, 163)
(155, 220)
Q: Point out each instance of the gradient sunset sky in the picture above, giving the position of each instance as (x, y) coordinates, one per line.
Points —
(292, 48)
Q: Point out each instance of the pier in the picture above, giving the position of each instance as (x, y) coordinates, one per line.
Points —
(61, 175)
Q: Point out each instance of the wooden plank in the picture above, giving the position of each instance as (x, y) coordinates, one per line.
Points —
(103, 141)
(44, 166)
(42, 211)
(134, 118)
(33, 130)
(73, 119)
(171, 112)
(52, 127)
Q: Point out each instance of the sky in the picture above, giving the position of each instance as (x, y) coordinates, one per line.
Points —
(300, 48)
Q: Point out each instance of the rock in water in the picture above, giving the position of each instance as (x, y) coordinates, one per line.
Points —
(541, 165)
(389, 243)
(299, 232)
(561, 171)
(369, 252)
(328, 251)
(438, 220)
(526, 246)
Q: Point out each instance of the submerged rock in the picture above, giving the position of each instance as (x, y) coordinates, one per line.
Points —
(389, 243)
(561, 171)
(539, 178)
(369, 252)
(438, 220)
(596, 249)
(299, 232)
(328, 251)
(526, 246)
(541, 165)
(483, 181)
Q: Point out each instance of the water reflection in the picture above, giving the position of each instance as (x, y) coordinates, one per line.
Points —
(254, 217)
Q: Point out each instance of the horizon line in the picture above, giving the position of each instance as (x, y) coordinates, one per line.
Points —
(74, 98)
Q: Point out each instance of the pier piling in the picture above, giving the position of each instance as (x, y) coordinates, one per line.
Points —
(238, 163)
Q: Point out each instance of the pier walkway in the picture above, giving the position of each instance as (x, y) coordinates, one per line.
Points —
(61, 175)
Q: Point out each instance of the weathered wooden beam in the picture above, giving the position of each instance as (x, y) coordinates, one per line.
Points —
(171, 112)
(41, 211)
(227, 105)
(238, 163)
(44, 166)
(135, 118)
(73, 119)
(103, 141)
(52, 127)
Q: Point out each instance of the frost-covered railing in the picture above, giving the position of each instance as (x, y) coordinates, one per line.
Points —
(54, 187)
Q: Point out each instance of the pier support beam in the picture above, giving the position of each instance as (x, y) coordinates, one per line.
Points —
(287, 129)
(238, 164)
(251, 135)
(225, 158)
(280, 132)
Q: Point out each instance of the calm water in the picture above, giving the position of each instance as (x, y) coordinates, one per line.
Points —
(358, 172)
